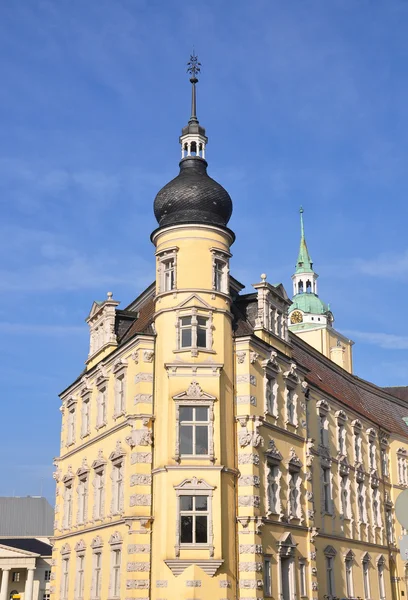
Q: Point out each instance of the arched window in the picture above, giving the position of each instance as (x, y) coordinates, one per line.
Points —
(308, 287)
(300, 287)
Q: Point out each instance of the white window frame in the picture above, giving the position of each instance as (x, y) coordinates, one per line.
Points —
(402, 466)
(99, 485)
(273, 477)
(291, 405)
(86, 414)
(341, 418)
(345, 488)
(47, 575)
(118, 482)
(65, 564)
(96, 584)
(366, 560)
(119, 371)
(389, 525)
(194, 314)
(385, 461)
(357, 430)
(116, 544)
(15, 576)
(372, 453)
(381, 582)
(195, 487)
(220, 277)
(330, 555)
(101, 405)
(194, 424)
(326, 487)
(80, 570)
(82, 496)
(302, 578)
(194, 396)
(68, 502)
(348, 564)
(376, 506)
(71, 421)
(294, 484)
(167, 276)
(267, 569)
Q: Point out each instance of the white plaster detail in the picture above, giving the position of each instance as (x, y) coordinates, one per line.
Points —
(144, 377)
(248, 459)
(140, 479)
(138, 548)
(137, 567)
(141, 457)
(141, 500)
(143, 399)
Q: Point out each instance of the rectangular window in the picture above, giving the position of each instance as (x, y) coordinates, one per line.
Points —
(381, 581)
(101, 414)
(344, 491)
(117, 492)
(194, 430)
(47, 575)
(326, 490)
(290, 406)
(271, 395)
(85, 426)
(294, 494)
(357, 446)
(302, 576)
(349, 578)
(372, 457)
(194, 519)
(389, 527)
(120, 395)
(323, 431)
(71, 426)
(68, 506)
(99, 493)
(80, 577)
(273, 488)
(46, 596)
(219, 275)
(366, 579)
(82, 500)
(341, 438)
(330, 576)
(361, 501)
(384, 461)
(16, 576)
(376, 507)
(168, 275)
(97, 560)
(116, 560)
(65, 578)
(267, 576)
(193, 332)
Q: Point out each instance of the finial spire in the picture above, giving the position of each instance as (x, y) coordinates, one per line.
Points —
(302, 228)
(193, 68)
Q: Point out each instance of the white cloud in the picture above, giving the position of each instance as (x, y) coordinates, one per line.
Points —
(391, 266)
(389, 341)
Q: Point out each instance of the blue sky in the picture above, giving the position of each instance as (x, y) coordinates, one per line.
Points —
(304, 102)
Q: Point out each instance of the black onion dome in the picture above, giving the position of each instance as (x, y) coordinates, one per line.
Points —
(193, 197)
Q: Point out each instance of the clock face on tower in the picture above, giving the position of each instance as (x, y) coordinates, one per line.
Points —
(296, 317)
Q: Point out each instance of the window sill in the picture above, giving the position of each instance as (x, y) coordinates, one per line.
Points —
(195, 350)
(187, 457)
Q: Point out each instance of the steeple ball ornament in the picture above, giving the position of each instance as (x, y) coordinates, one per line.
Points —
(193, 196)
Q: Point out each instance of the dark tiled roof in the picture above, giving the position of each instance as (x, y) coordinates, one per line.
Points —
(28, 544)
(400, 392)
(379, 405)
(143, 322)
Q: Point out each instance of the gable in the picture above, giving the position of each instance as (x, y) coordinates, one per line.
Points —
(9, 552)
(194, 301)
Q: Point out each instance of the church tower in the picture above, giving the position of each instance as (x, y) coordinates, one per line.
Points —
(193, 463)
(309, 317)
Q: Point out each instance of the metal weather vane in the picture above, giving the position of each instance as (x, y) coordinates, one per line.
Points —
(193, 66)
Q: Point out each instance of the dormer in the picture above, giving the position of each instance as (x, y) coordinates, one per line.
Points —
(101, 321)
(273, 304)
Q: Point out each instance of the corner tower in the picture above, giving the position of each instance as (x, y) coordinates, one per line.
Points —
(309, 317)
(194, 471)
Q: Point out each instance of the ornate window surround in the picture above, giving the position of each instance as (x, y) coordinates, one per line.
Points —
(344, 477)
(223, 256)
(80, 548)
(323, 409)
(194, 396)
(115, 543)
(294, 465)
(273, 459)
(271, 370)
(101, 383)
(195, 312)
(384, 447)
(68, 481)
(117, 460)
(82, 489)
(291, 382)
(195, 487)
(97, 547)
(357, 431)
(99, 468)
(349, 563)
(164, 256)
(86, 397)
(71, 406)
(330, 554)
(119, 404)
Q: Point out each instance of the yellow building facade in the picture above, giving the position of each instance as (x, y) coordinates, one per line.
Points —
(207, 451)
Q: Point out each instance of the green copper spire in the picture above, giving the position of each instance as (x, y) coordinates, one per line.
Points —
(304, 262)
